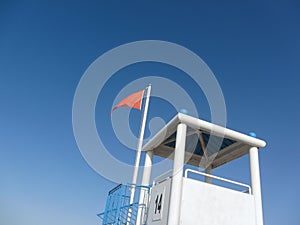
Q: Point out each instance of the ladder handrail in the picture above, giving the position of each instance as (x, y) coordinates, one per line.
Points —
(118, 205)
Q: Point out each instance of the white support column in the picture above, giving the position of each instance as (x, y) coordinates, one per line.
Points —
(143, 200)
(176, 189)
(255, 183)
(147, 168)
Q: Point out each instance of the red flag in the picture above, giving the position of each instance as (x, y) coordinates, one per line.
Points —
(133, 101)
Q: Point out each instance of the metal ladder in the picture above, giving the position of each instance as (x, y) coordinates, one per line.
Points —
(118, 210)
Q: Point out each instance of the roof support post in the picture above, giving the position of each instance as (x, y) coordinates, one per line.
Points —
(255, 183)
(143, 200)
(176, 189)
(147, 168)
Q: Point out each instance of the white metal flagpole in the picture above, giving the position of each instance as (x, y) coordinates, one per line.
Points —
(139, 147)
(141, 138)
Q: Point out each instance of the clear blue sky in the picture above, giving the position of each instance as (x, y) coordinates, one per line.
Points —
(45, 46)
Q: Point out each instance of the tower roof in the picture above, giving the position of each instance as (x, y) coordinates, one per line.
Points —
(206, 143)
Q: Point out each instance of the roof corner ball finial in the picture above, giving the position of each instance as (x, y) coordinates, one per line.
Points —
(252, 134)
(184, 111)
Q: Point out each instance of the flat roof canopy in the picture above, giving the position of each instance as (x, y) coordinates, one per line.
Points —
(206, 143)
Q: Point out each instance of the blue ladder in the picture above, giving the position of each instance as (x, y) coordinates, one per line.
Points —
(118, 210)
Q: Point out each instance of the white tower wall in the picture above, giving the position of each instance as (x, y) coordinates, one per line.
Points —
(207, 204)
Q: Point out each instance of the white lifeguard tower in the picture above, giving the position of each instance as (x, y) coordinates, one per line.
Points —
(177, 197)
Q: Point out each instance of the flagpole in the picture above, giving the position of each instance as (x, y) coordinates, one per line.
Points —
(141, 138)
(139, 148)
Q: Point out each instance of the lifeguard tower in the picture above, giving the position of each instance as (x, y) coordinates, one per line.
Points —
(178, 197)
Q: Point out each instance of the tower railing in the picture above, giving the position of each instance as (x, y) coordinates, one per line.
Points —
(231, 182)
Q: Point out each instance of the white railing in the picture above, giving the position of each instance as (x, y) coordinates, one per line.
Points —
(217, 178)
